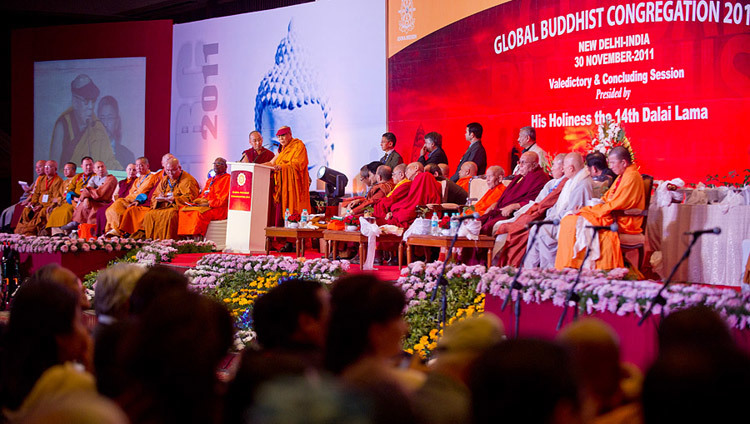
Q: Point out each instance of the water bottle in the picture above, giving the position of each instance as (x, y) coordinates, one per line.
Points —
(74, 235)
(286, 217)
(434, 225)
(303, 218)
(454, 224)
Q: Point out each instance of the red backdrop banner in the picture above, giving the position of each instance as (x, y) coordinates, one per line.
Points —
(677, 80)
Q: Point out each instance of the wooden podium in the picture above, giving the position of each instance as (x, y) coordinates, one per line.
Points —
(247, 218)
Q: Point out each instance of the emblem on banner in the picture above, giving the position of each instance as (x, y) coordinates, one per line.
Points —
(241, 179)
(406, 24)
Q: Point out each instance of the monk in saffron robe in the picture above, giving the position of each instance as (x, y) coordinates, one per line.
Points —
(627, 192)
(383, 186)
(122, 190)
(176, 189)
(424, 189)
(94, 196)
(211, 205)
(522, 189)
(257, 153)
(291, 179)
(466, 173)
(66, 203)
(401, 174)
(494, 177)
(34, 215)
(138, 195)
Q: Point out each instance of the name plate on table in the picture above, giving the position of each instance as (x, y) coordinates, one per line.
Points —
(241, 191)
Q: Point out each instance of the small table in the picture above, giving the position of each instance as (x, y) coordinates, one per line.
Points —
(484, 242)
(298, 234)
(335, 236)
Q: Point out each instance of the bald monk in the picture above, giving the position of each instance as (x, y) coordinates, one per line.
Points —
(138, 195)
(94, 196)
(627, 192)
(46, 187)
(65, 204)
(445, 170)
(467, 171)
(10, 215)
(494, 177)
(424, 190)
(522, 189)
(176, 189)
(211, 205)
(69, 172)
(402, 177)
(453, 193)
(122, 190)
(291, 178)
(383, 186)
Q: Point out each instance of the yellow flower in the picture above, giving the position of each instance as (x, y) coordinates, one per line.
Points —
(419, 346)
(227, 300)
(409, 351)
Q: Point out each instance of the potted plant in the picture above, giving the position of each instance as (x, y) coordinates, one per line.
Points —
(351, 222)
(293, 220)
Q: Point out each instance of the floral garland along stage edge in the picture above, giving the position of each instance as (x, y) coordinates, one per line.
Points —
(600, 291)
(238, 280)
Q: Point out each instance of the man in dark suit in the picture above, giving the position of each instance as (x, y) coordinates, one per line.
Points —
(475, 153)
(388, 144)
(432, 151)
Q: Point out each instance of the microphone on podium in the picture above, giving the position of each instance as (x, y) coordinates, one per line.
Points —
(550, 222)
(612, 227)
(715, 230)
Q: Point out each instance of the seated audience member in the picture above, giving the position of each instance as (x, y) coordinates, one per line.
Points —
(522, 189)
(34, 217)
(446, 171)
(64, 276)
(364, 343)
(432, 150)
(400, 189)
(391, 158)
(627, 192)
(137, 195)
(170, 358)
(132, 220)
(154, 282)
(445, 397)
(453, 192)
(122, 190)
(256, 153)
(211, 205)
(513, 234)
(79, 407)
(46, 348)
(65, 203)
(595, 352)
(94, 196)
(176, 189)
(10, 215)
(600, 172)
(114, 285)
(424, 190)
(475, 152)
(290, 323)
(575, 194)
(56, 215)
(467, 171)
(527, 142)
(496, 188)
(368, 177)
(383, 185)
(524, 381)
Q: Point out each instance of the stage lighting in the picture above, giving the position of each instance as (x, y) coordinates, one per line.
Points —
(335, 184)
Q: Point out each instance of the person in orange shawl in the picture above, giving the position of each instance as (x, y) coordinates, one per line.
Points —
(61, 214)
(494, 178)
(176, 189)
(424, 189)
(35, 213)
(210, 206)
(291, 179)
(401, 176)
(466, 173)
(383, 186)
(96, 194)
(627, 192)
(138, 195)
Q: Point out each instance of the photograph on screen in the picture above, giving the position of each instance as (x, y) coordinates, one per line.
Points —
(90, 107)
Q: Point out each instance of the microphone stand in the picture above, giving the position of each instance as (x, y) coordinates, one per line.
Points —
(659, 299)
(515, 285)
(442, 282)
(572, 295)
